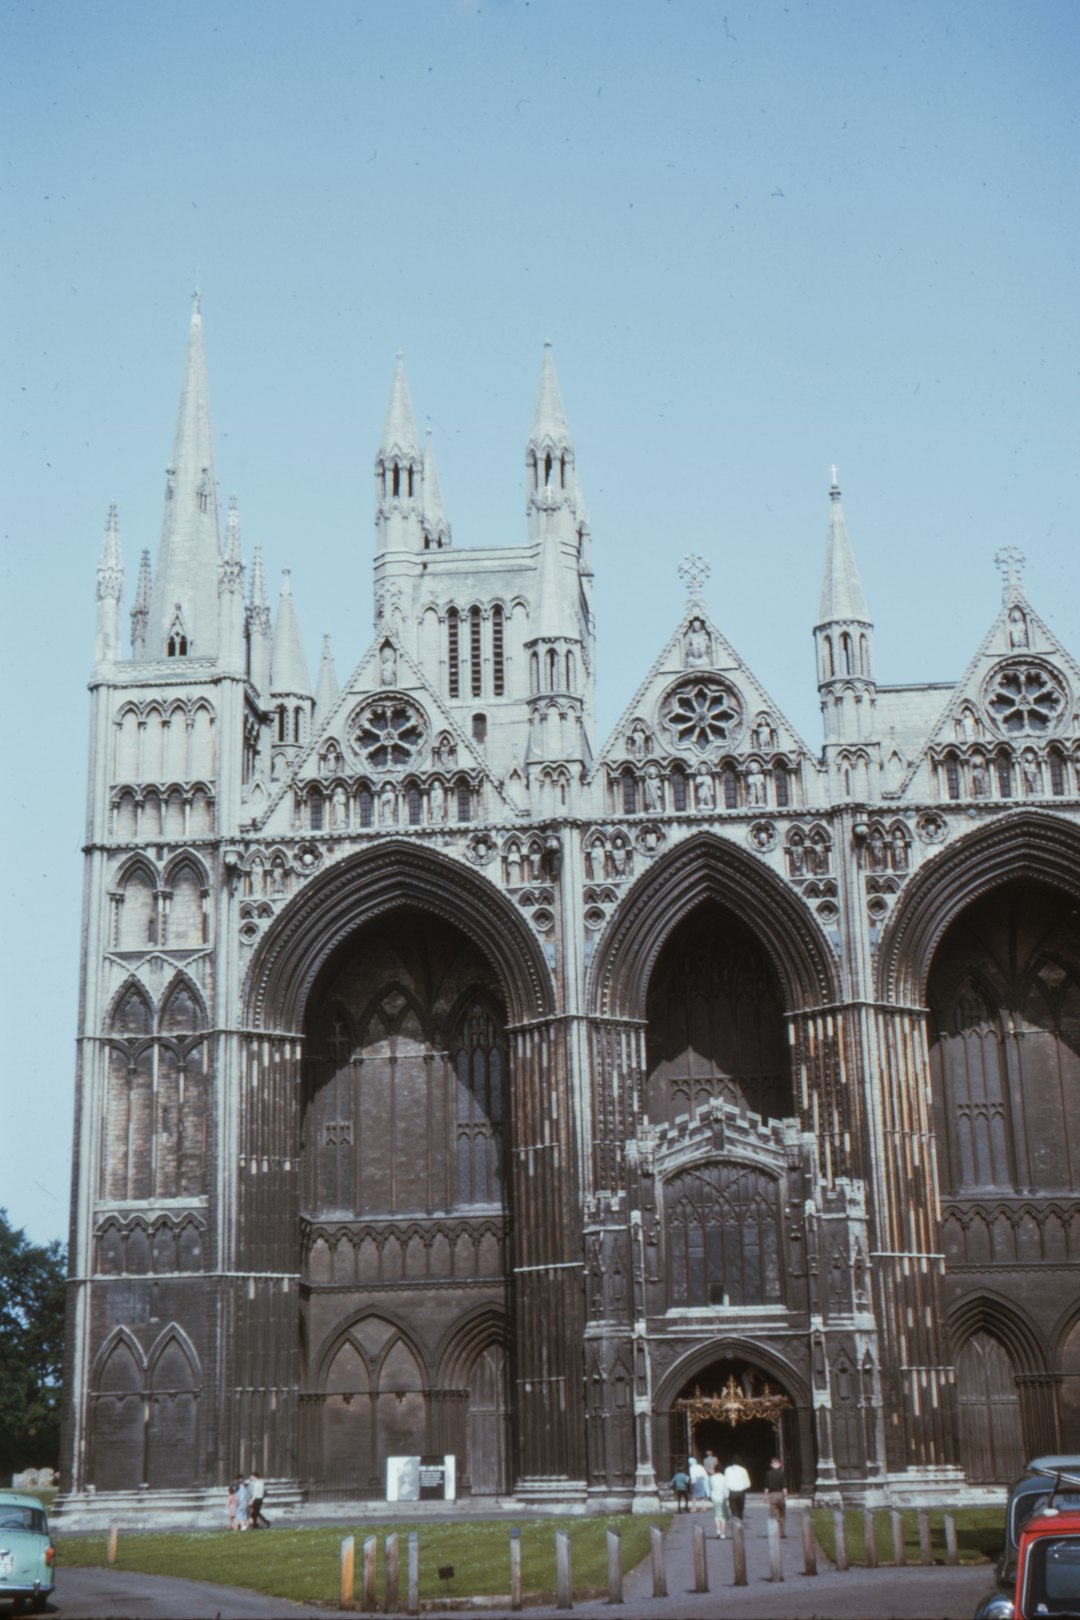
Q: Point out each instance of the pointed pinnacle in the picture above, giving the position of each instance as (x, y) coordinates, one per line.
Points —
(549, 418)
(841, 590)
(110, 573)
(399, 429)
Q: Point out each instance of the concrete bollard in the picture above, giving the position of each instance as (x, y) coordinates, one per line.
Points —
(414, 1572)
(738, 1551)
(701, 1567)
(656, 1550)
(614, 1567)
(564, 1580)
(899, 1556)
(515, 1566)
(776, 1568)
(869, 1538)
(926, 1555)
(371, 1548)
(390, 1579)
(840, 1533)
(809, 1545)
(110, 1547)
(348, 1562)
(952, 1549)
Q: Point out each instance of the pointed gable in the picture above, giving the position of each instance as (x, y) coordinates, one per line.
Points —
(1001, 728)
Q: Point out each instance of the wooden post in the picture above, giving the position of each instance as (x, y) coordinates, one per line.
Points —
(899, 1556)
(776, 1568)
(515, 1566)
(952, 1550)
(738, 1551)
(110, 1549)
(841, 1538)
(809, 1545)
(414, 1572)
(371, 1547)
(348, 1560)
(390, 1583)
(656, 1549)
(701, 1567)
(614, 1567)
(870, 1538)
(564, 1580)
(926, 1555)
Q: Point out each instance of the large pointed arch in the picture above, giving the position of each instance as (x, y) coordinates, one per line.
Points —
(392, 877)
(705, 867)
(1029, 846)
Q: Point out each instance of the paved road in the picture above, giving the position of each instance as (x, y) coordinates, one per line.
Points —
(913, 1593)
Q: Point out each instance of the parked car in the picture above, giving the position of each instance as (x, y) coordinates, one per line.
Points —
(1030, 1494)
(27, 1554)
(1048, 1564)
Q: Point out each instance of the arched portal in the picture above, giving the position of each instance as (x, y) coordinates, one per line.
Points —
(737, 1402)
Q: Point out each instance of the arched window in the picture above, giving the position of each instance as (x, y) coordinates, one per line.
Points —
(395, 479)
(479, 728)
(846, 653)
(570, 673)
(413, 804)
(781, 785)
(729, 783)
(534, 672)
(827, 659)
(678, 789)
(548, 465)
(297, 724)
(552, 668)
(453, 653)
(366, 806)
(315, 810)
(138, 912)
(722, 1227)
(864, 656)
(186, 919)
(952, 776)
(282, 724)
(629, 793)
(476, 667)
(1003, 766)
(498, 653)
(1057, 774)
(479, 1065)
(464, 801)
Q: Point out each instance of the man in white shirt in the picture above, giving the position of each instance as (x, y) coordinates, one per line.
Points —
(738, 1483)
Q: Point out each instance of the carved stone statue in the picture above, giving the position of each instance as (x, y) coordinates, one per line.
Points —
(387, 806)
(698, 645)
(980, 779)
(764, 735)
(876, 850)
(704, 790)
(618, 856)
(387, 665)
(339, 807)
(1029, 766)
(513, 866)
(899, 851)
(637, 742)
(653, 788)
(437, 801)
(755, 785)
(1018, 630)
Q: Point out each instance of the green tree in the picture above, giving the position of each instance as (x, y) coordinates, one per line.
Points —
(31, 1350)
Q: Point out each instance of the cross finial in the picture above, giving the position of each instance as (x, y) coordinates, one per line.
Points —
(1010, 561)
(694, 571)
(834, 481)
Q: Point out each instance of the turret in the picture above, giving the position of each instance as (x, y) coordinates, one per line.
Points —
(183, 616)
(110, 580)
(326, 685)
(433, 519)
(257, 628)
(843, 638)
(290, 685)
(549, 459)
(140, 608)
(231, 594)
(399, 468)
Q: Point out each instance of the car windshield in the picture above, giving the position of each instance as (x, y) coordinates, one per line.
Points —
(1053, 1577)
(14, 1516)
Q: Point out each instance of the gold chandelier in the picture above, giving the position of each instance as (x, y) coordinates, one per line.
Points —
(732, 1406)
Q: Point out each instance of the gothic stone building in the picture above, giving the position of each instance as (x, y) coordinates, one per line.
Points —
(454, 1081)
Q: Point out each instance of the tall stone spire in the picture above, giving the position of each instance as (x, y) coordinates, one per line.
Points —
(549, 460)
(842, 599)
(844, 636)
(183, 619)
(549, 418)
(140, 608)
(433, 518)
(326, 684)
(399, 470)
(288, 666)
(110, 581)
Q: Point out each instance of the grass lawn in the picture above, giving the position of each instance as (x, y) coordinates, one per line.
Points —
(304, 1564)
(980, 1535)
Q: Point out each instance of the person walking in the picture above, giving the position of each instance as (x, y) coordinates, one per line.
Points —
(738, 1483)
(699, 1485)
(718, 1491)
(243, 1503)
(258, 1491)
(776, 1494)
(232, 1502)
(680, 1484)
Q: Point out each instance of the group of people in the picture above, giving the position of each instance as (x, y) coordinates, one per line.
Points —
(705, 1483)
(245, 1502)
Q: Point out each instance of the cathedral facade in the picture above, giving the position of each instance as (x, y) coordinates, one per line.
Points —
(454, 1081)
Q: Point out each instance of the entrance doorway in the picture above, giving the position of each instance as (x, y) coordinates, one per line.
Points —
(734, 1410)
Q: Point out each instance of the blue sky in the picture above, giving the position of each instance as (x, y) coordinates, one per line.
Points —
(762, 238)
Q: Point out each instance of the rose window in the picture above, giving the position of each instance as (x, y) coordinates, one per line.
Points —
(1024, 697)
(702, 715)
(388, 734)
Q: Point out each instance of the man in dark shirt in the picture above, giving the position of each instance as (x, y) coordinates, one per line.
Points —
(776, 1493)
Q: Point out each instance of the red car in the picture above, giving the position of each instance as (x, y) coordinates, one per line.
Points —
(1048, 1565)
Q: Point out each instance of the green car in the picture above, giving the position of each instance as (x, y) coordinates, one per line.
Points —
(27, 1554)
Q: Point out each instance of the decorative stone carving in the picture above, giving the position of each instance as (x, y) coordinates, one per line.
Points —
(931, 827)
(480, 848)
(307, 859)
(387, 664)
(650, 838)
(638, 740)
(761, 836)
(697, 644)
(387, 734)
(652, 787)
(1025, 698)
(702, 714)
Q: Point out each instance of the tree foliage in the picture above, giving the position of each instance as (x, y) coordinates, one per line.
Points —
(31, 1350)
